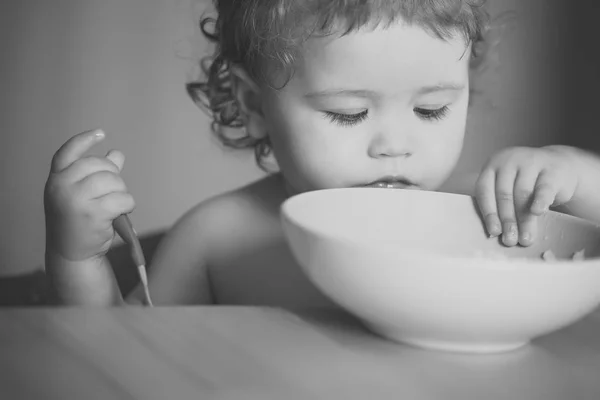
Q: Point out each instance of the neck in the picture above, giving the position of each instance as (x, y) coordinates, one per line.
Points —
(289, 190)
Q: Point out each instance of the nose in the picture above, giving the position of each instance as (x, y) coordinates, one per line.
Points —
(393, 143)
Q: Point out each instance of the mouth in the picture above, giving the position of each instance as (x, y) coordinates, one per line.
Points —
(391, 182)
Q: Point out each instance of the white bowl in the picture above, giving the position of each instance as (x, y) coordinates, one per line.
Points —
(410, 265)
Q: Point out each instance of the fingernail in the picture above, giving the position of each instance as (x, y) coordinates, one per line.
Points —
(510, 234)
(493, 226)
(526, 237)
(99, 134)
(509, 229)
(494, 230)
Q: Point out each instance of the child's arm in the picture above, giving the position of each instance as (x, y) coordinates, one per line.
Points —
(200, 241)
(519, 184)
(585, 202)
(178, 273)
(87, 282)
(82, 196)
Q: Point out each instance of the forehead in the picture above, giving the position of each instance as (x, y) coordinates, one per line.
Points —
(399, 57)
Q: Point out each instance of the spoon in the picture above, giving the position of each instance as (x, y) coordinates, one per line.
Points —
(124, 228)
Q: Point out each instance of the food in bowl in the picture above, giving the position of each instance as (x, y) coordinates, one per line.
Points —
(547, 255)
(402, 262)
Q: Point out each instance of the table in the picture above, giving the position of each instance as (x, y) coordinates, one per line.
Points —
(225, 352)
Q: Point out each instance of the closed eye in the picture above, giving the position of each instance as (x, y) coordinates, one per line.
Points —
(346, 119)
(431, 114)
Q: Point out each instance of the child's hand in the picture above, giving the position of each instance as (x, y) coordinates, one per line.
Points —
(82, 197)
(518, 185)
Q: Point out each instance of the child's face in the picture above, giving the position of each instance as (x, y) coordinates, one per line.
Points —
(391, 102)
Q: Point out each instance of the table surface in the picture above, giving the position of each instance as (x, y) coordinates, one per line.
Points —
(222, 352)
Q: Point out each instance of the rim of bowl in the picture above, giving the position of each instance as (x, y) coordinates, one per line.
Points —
(495, 262)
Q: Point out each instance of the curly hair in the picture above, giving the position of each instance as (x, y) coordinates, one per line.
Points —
(263, 35)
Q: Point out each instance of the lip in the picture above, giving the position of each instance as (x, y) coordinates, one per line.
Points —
(391, 182)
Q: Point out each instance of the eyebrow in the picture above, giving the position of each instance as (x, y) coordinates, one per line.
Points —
(439, 87)
(341, 93)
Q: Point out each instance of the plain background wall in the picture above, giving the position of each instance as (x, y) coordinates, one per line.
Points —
(72, 65)
(580, 56)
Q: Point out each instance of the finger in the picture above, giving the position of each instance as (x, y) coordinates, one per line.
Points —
(523, 195)
(505, 182)
(564, 190)
(86, 166)
(528, 229)
(485, 193)
(544, 193)
(117, 158)
(100, 184)
(74, 148)
(115, 204)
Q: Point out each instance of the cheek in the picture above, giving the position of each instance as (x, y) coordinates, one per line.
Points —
(312, 154)
(441, 149)
(453, 141)
(293, 132)
(303, 142)
(453, 131)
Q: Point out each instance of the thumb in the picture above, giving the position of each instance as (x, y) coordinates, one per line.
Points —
(117, 158)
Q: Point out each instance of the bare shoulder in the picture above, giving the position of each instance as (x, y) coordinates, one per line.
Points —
(231, 216)
(216, 226)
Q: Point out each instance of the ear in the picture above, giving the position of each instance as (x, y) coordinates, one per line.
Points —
(249, 97)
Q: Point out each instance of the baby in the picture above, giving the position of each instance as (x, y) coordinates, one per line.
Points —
(343, 93)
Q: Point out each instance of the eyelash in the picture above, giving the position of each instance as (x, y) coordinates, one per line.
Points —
(347, 119)
(427, 114)
(354, 119)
